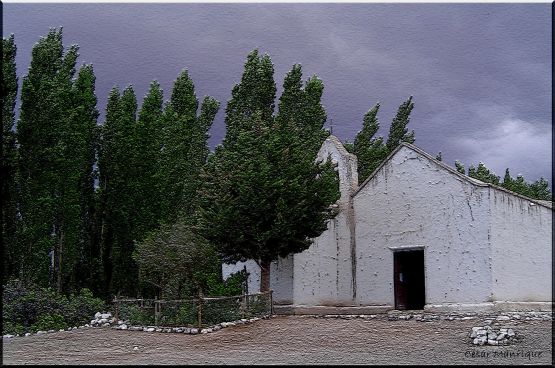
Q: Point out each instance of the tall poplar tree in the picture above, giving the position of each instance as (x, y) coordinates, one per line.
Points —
(370, 151)
(50, 167)
(84, 150)
(118, 197)
(184, 148)
(9, 155)
(398, 131)
(182, 134)
(147, 157)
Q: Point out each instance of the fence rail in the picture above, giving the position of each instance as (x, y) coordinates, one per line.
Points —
(195, 312)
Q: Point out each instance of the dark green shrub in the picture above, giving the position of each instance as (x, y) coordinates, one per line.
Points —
(233, 285)
(217, 311)
(49, 322)
(82, 307)
(13, 329)
(179, 314)
(30, 308)
(136, 315)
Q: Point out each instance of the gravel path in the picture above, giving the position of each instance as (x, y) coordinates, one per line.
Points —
(289, 340)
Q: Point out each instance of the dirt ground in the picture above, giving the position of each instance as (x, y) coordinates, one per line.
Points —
(289, 340)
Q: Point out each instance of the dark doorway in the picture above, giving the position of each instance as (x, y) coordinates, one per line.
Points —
(408, 273)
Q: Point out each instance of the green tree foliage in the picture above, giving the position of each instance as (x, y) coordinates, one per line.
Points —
(84, 145)
(255, 93)
(175, 260)
(460, 167)
(184, 149)
(147, 142)
(9, 160)
(54, 133)
(175, 149)
(370, 151)
(149, 169)
(482, 173)
(264, 195)
(398, 131)
(538, 189)
(118, 197)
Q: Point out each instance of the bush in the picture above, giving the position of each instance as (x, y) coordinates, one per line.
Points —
(233, 285)
(49, 322)
(136, 315)
(82, 307)
(226, 310)
(29, 309)
(179, 314)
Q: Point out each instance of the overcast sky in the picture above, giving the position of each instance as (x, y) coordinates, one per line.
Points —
(480, 74)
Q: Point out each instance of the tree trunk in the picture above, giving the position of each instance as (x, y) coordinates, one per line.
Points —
(264, 276)
(60, 248)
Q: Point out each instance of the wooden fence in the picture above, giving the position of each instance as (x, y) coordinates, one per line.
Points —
(192, 312)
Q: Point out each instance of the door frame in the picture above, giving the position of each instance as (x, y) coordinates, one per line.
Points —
(408, 248)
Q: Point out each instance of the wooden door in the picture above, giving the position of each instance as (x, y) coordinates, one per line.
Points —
(408, 273)
(399, 281)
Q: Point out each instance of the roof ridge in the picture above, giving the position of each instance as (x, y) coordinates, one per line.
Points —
(443, 165)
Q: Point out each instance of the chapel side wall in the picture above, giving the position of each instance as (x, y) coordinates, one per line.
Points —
(521, 233)
(317, 275)
(281, 280)
(281, 277)
(253, 280)
(412, 201)
(323, 273)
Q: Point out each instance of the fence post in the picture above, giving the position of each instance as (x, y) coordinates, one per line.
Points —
(116, 312)
(156, 310)
(271, 301)
(199, 308)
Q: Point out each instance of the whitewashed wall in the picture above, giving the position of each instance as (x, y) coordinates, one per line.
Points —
(521, 236)
(324, 273)
(413, 201)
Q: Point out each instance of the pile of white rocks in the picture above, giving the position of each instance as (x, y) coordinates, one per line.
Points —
(103, 320)
(486, 335)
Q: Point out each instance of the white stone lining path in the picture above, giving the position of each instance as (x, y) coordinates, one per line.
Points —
(107, 320)
(477, 334)
(487, 317)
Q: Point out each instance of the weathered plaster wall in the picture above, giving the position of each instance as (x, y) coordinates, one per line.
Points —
(521, 235)
(281, 280)
(252, 268)
(412, 201)
(281, 277)
(323, 274)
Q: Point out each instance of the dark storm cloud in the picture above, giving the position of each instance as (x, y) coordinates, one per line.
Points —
(479, 73)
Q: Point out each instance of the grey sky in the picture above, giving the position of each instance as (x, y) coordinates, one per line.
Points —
(480, 74)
